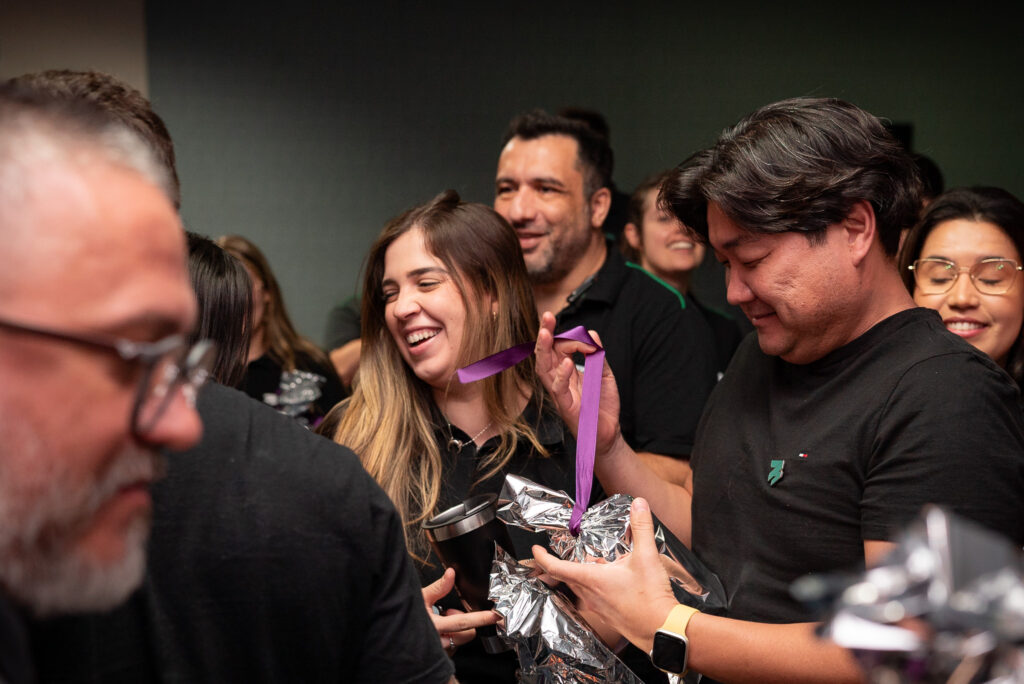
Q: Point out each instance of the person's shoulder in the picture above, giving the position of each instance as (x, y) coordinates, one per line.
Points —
(641, 296)
(249, 433)
(255, 459)
(917, 339)
(966, 373)
(648, 285)
(948, 380)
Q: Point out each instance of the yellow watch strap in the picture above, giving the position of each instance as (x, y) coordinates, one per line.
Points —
(678, 618)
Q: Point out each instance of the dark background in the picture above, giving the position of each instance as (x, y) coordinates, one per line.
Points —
(305, 127)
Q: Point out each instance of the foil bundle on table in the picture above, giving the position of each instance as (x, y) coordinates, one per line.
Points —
(605, 534)
(947, 605)
(552, 641)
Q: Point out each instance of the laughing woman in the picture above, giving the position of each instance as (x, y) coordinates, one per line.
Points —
(977, 233)
(445, 285)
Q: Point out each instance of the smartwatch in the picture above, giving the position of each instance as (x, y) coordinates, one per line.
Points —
(671, 647)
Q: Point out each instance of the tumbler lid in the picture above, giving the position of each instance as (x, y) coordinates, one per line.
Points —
(467, 516)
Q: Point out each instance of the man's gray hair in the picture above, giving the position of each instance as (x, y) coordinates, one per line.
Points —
(39, 132)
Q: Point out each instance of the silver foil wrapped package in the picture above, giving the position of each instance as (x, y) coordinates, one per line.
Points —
(605, 534)
(296, 391)
(553, 642)
(946, 605)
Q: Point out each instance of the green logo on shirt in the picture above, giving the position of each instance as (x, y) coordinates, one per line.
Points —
(775, 474)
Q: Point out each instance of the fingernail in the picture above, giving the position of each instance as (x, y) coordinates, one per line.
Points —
(640, 505)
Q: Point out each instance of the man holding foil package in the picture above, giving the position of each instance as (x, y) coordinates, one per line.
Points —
(849, 412)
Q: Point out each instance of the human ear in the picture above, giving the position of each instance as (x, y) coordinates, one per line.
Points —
(860, 229)
(632, 233)
(600, 204)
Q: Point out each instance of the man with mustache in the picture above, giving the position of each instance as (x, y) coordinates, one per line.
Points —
(97, 378)
(552, 185)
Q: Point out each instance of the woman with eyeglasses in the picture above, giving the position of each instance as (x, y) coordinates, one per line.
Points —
(963, 259)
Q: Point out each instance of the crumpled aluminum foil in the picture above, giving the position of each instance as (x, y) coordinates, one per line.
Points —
(552, 640)
(605, 534)
(947, 605)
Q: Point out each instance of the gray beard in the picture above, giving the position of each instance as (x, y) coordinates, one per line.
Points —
(40, 565)
(67, 582)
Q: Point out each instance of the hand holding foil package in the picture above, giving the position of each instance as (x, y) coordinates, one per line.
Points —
(553, 642)
(605, 534)
(947, 605)
(551, 639)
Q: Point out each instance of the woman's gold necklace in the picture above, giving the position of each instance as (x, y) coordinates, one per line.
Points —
(457, 445)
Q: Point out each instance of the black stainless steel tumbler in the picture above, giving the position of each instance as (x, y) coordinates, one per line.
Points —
(463, 538)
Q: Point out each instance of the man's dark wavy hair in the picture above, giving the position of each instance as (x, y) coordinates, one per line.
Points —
(800, 165)
(595, 154)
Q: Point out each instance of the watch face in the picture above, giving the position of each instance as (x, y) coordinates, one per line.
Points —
(669, 652)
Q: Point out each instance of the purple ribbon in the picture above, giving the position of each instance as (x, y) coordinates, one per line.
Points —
(590, 401)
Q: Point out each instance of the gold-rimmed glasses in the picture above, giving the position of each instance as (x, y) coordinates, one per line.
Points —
(992, 276)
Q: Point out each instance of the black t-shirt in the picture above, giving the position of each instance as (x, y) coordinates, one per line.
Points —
(460, 475)
(459, 481)
(797, 465)
(274, 557)
(659, 347)
(266, 381)
(472, 664)
(15, 661)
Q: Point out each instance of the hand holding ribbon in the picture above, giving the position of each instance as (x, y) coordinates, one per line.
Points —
(564, 383)
(578, 402)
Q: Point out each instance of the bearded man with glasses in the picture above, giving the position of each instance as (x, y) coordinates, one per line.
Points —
(274, 556)
(95, 303)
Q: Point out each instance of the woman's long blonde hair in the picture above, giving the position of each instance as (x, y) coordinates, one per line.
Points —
(389, 420)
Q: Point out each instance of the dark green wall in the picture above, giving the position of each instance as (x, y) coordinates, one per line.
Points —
(305, 127)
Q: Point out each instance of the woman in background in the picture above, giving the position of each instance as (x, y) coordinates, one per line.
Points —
(978, 233)
(669, 251)
(285, 370)
(224, 294)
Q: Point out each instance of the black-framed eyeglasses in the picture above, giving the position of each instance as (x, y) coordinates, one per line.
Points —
(993, 276)
(168, 365)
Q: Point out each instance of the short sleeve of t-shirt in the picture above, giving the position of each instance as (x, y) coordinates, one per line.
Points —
(950, 434)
